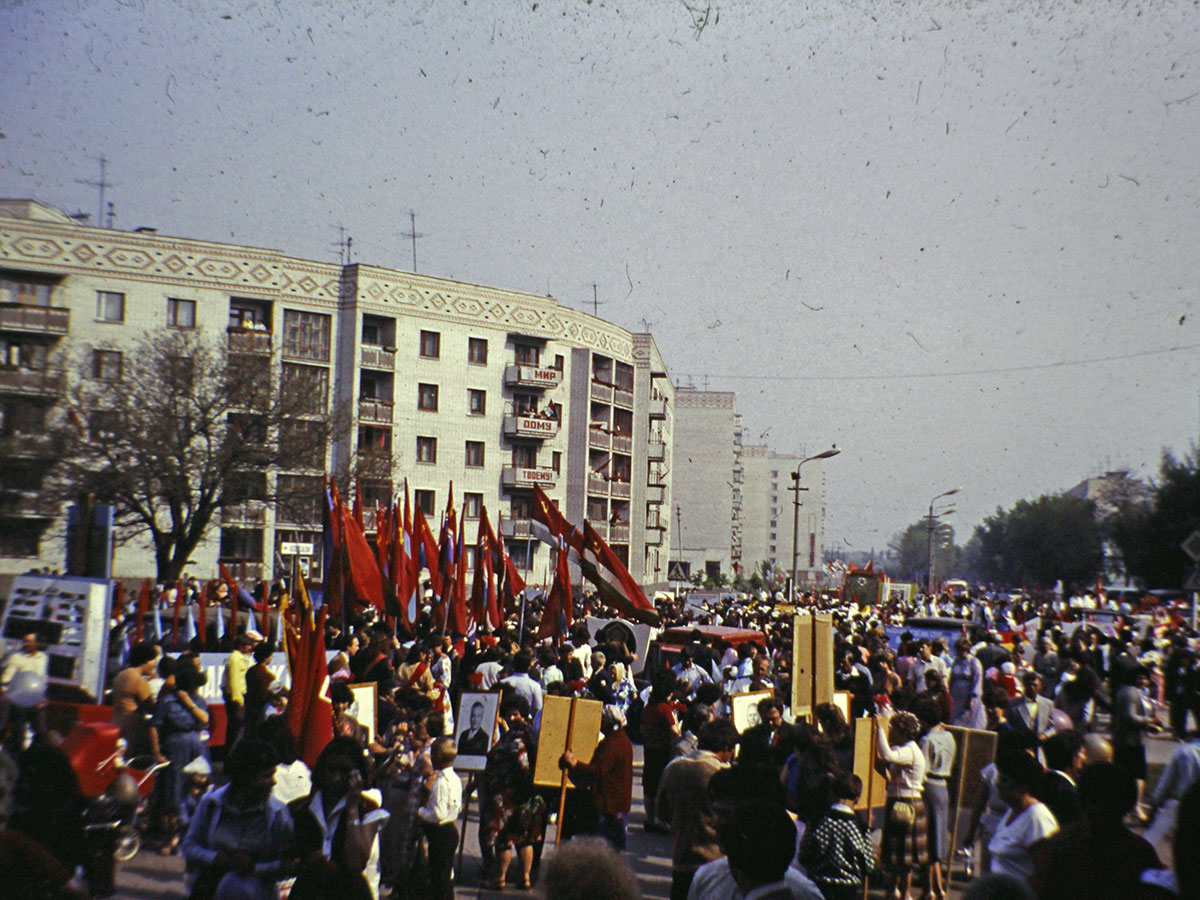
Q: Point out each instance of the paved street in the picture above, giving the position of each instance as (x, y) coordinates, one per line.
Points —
(150, 876)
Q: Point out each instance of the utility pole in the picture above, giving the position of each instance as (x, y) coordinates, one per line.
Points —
(796, 488)
(932, 519)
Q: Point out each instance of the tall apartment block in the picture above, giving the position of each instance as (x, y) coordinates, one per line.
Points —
(768, 513)
(492, 390)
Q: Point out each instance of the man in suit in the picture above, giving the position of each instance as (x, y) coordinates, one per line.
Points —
(474, 740)
(1031, 711)
(1066, 756)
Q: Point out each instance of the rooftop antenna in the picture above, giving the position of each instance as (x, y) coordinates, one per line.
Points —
(646, 326)
(102, 184)
(343, 246)
(413, 235)
(596, 302)
(111, 215)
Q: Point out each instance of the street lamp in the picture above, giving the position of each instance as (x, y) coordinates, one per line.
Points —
(932, 526)
(796, 489)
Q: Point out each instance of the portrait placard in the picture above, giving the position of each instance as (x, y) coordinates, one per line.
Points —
(476, 726)
(743, 708)
(364, 710)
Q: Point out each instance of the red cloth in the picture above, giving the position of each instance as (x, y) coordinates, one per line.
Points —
(609, 774)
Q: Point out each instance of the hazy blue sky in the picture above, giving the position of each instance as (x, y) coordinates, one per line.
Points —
(958, 239)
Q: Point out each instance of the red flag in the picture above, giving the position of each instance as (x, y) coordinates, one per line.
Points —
(143, 605)
(204, 614)
(424, 551)
(458, 619)
(309, 713)
(602, 567)
(175, 615)
(556, 614)
(549, 525)
(358, 505)
(363, 574)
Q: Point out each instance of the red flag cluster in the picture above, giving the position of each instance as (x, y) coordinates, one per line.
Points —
(389, 578)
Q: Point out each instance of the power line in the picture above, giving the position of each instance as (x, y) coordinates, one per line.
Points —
(961, 373)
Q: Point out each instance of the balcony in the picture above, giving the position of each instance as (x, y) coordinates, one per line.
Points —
(370, 519)
(27, 505)
(597, 484)
(599, 438)
(375, 454)
(45, 383)
(379, 411)
(656, 451)
(34, 446)
(251, 513)
(376, 357)
(654, 537)
(530, 427)
(623, 398)
(619, 489)
(622, 443)
(254, 341)
(527, 477)
(602, 392)
(658, 407)
(654, 521)
(618, 534)
(34, 319)
(516, 528)
(527, 376)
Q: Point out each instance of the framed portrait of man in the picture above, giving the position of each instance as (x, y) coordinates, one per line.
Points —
(743, 708)
(475, 729)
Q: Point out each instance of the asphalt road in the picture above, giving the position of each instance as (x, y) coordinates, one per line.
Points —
(150, 876)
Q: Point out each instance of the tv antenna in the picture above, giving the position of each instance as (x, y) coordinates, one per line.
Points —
(413, 235)
(596, 301)
(102, 184)
(345, 246)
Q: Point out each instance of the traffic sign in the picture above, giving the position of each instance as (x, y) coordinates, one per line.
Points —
(1192, 583)
(678, 570)
(1192, 546)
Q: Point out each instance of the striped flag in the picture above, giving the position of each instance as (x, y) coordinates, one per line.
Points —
(603, 568)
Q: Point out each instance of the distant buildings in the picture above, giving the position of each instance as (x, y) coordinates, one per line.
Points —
(493, 390)
(768, 513)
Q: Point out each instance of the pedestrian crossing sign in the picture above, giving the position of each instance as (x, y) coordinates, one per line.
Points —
(678, 570)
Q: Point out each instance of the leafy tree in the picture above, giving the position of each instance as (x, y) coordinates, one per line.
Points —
(1038, 542)
(184, 428)
(1149, 535)
(911, 547)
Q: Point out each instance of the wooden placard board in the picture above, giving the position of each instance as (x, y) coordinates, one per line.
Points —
(975, 749)
(823, 664)
(364, 706)
(802, 673)
(874, 793)
(558, 732)
(841, 699)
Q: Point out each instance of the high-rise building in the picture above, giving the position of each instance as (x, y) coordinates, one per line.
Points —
(768, 514)
(444, 382)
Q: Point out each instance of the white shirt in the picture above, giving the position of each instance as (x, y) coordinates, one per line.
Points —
(714, 881)
(1010, 844)
(489, 674)
(906, 766)
(376, 818)
(21, 661)
(445, 799)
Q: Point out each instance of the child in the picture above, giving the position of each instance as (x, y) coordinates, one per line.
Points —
(837, 850)
(196, 786)
(439, 816)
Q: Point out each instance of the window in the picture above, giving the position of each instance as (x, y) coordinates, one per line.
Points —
(556, 462)
(300, 498)
(19, 289)
(431, 344)
(20, 539)
(624, 380)
(475, 454)
(307, 387)
(597, 509)
(522, 507)
(110, 306)
(425, 501)
(241, 543)
(103, 424)
(472, 506)
(427, 449)
(305, 443)
(106, 365)
(245, 484)
(181, 313)
(249, 314)
(476, 402)
(558, 361)
(374, 440)
(427, 397)
(525, 456)
(477, 351)
(527, 354)
(306, 335)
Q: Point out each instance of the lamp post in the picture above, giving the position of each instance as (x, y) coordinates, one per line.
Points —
(796, 489)
(932, 526)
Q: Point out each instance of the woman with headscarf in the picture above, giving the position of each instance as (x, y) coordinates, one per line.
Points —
(512, 812)
(966, 688)
(906, 828)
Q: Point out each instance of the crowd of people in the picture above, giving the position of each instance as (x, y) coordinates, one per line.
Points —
(775, 809)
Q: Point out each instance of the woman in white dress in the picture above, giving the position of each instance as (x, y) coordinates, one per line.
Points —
(1027, 821)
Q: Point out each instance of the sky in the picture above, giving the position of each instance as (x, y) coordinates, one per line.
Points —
(958, 240)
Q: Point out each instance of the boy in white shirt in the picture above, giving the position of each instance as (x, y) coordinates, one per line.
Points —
(439, 817)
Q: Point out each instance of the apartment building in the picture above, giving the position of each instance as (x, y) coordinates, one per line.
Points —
(445, 383)
(768, 513)
(707, 480)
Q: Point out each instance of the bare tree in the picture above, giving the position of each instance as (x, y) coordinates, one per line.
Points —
(177, 428)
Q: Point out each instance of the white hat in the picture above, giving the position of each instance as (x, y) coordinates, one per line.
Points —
(254, 635)
(198, 766)
(1008, 668)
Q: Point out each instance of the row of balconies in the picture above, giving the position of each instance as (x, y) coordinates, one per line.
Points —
(607, 393)
(600, 438)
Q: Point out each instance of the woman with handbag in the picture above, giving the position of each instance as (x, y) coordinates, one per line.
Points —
(905, 828)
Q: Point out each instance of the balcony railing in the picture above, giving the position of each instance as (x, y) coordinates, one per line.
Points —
(250, 512)
(622, 443)
(623, 398)
(516, 528)
(618, 534)
(530, 427)
(27, 505)
(37, 319)
(602, 392)
(654, 537)
(249, 340)
(654, 521)
(658, 408)
(619, 489)
(520, 476)
(527, 376)
(597, 484)
(32, 382)
(657, 450)
(375, 411)
(377, 357)
(599, 438)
